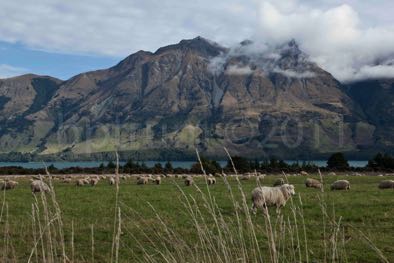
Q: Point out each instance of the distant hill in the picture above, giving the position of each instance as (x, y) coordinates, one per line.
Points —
(198, 94)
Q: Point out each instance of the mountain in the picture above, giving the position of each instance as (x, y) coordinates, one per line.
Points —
(376, 98)
(194, 94)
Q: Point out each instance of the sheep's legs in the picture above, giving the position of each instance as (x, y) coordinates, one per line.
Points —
(254, 209)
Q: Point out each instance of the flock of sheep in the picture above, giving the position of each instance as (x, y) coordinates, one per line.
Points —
(262, 196)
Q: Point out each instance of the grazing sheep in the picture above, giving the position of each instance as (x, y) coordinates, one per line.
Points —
(157, 180)
(111, 181)
(7, 185)
(279, 182)
(142, 180)
(386, 184)
(340, 185)
(332, 174)
(304, 173)
(266, 196)
(211, 180)
(313, 183)
(94, 181)
(80, 182)
(39, 186)
(245, 177)
(86, 180)
(66, 180)
(188, 181)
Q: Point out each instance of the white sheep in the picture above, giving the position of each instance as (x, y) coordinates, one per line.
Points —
(93, 181)
(211, 180)
(111, 181)
(340, 185)
(266, 196)
(80, 182)
(142, 180)
(39, 186)
(309, 182)
(386, 184)
(8, 184)
(188, 181)
(157, 180)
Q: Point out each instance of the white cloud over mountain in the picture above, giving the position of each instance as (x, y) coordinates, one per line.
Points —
(335, 38)
(351, 39)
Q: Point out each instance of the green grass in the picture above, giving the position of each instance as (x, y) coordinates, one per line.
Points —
(364, 208)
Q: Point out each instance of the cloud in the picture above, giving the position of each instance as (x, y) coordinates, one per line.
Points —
(238, 70)
(7, 71)
(293, 74)
(119, 28)
(334, 37)
(345, 37)
(248, 56)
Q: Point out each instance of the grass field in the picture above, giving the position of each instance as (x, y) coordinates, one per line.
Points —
(175, 223)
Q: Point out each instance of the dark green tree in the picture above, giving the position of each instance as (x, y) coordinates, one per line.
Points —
(168, 167)
(337, 161)
(158, 168)
(241, 164)
(210, 166)
(111, 165)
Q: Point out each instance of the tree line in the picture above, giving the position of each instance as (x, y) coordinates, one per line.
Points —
(336, 162)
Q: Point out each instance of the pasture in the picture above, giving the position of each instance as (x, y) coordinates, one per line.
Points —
(174, 223)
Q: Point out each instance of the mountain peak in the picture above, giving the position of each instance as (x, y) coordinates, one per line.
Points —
(202, 45)
(291, 49)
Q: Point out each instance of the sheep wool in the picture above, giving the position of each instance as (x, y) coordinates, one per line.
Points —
(39, 186)
(313, 183)
(7, 185)
(188, 181)
(266, 196)
(340, 185)
(386, 184)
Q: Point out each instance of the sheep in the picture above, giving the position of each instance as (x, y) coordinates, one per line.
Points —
(304, 173)
(93, 181)
(245, 177)
(211, 180)
(340, 185)
(157, 180)
(386, 184)
(111, 181)
(39, 186)
(266, 196)
(8, 184)
(309, 182)
(142, 180)
(86, 180)
(80, 182)
(67, 180)
(188, 181)
(279, 182)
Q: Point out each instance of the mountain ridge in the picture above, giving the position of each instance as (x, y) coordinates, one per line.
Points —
(194, 94)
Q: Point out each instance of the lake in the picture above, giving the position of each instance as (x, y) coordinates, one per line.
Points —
(175, 164)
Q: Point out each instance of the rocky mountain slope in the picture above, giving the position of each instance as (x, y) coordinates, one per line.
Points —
(197, 94)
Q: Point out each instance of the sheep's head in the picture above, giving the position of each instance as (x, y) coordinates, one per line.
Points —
(289, 188)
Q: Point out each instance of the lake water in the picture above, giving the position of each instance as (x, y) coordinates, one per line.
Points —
(175, 164)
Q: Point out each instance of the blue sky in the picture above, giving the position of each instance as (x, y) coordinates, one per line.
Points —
(63, 66)
(62, 38)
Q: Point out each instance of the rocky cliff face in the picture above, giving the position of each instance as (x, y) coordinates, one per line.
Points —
(376, 98)
(195, 94)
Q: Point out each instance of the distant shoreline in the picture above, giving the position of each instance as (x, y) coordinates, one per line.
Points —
(151, 163)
